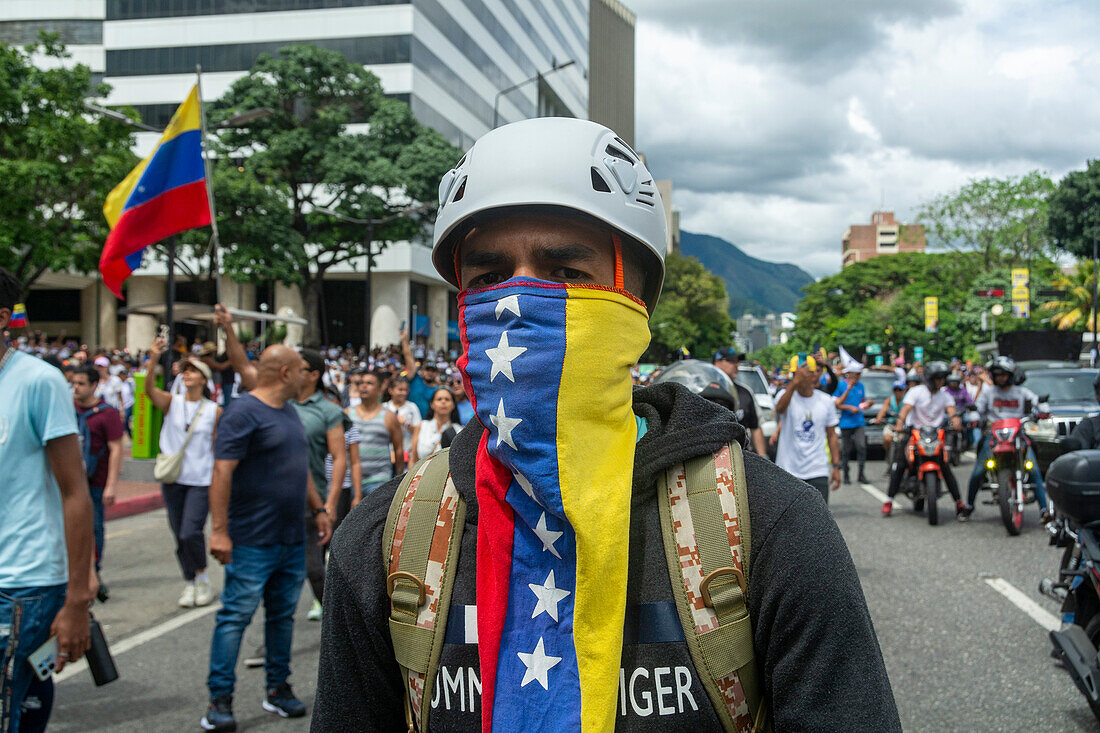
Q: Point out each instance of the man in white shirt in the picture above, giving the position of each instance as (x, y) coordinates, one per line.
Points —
(925, 406)
(807, 422)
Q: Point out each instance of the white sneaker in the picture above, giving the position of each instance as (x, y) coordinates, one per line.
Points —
(204, 594)
(314, 612)
(187, 598)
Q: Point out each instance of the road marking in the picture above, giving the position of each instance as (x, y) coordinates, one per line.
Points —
(138, 639)
(875, 492)
(1038, 614)
(119, 533)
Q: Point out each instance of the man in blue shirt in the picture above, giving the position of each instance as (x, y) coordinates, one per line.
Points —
(259, 493)
(423, 380)
(849, 400)
(45, 525)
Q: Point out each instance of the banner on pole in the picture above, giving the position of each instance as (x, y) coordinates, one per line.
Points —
(1021, 292)
(931, 314)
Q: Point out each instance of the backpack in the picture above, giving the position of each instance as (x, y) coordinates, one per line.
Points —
(91, 460)
(705, 526)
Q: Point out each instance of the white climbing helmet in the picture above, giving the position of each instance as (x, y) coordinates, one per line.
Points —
(554, 161)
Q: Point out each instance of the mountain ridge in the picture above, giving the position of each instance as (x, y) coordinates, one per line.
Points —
(753, 285)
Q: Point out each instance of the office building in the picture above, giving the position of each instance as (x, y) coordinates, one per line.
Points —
(883, 236)
(463, 66)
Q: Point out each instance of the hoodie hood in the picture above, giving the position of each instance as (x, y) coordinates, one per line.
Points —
(679, 426)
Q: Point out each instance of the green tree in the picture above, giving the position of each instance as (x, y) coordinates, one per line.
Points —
(1005, 219)
(692, 312)
(57, 164)
(1075, 210)
(272, 178)
(1075, 310)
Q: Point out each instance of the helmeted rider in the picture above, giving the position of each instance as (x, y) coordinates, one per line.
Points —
(1087, 433)
(703, 379)
(963, 402)
(554, 233)
(1004, 400)
(888, 415)
(925, 406)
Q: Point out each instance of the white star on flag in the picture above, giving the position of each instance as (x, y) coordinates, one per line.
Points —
(504, 425)
(508, 303)
(548, 537)
(548, 595)
(538, 664)
(526, 486)
(502, 357)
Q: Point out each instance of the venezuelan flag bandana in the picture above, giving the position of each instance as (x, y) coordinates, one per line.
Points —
(547, 368)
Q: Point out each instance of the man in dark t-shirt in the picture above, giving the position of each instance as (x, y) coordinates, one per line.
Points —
(259, 493)
(729, 361)
(104, 436)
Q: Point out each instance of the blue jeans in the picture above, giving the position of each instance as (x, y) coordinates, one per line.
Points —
(26, 615)
(984, 452)
(273, 574)
(97, 523)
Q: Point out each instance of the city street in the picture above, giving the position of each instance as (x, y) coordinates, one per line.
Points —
(962, 627)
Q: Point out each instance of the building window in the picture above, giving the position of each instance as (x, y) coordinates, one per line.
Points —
(132, 9)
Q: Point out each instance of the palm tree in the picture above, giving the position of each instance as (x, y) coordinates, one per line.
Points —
(1076, 310)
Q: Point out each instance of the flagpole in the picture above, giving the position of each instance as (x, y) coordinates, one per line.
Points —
(215, 259)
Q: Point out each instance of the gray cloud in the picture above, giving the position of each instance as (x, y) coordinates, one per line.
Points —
(821, 37)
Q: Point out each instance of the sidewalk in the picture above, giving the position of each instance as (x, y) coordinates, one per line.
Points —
(137, 491)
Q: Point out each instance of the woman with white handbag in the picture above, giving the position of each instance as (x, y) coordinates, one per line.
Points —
(185, 466)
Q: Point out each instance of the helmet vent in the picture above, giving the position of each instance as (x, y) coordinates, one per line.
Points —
(616, 153)
(628, 149)
(598, 182)
(647, 202)
(460, 192)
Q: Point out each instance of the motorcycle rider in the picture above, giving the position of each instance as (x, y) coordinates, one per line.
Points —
(963, 402)
(1087, 433)
(1004, 400)
(887, 416)
(924, 406)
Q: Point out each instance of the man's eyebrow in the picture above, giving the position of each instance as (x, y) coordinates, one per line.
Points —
(568, 252)
(482, 258)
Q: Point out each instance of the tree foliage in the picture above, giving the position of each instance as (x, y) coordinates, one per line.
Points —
(1004, 219)
(881, 301)
(1075, 210)
(57, 164)
(272, 178)
(1075, 310)
(692, 312)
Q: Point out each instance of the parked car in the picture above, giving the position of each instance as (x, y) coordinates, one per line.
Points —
(877, 386)
(754, 380)
(1071, 398)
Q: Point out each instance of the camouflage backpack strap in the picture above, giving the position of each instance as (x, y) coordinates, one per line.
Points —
(420, 551)
(705, 526)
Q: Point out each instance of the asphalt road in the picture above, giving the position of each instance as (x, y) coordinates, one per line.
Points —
(961, 654)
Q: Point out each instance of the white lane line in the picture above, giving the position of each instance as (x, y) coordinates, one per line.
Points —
(875, 492)
(138, 639)
(1038, 614)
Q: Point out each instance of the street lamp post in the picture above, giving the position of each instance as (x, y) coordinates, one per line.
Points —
(514, 87)
(368, 246)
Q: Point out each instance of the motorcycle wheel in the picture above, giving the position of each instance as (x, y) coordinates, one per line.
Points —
(1012, 516)
(931, 491)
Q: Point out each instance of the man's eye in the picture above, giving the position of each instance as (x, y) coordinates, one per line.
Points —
(486, 279)
(568, 273)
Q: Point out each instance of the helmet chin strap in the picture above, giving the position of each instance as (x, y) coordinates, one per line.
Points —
(618, 242)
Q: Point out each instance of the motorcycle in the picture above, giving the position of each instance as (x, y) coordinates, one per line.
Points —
(923, 482)
(1074, 484)
(958, 441)
(1008, 469)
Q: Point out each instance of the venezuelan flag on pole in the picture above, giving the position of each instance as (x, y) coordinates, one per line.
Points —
(18, 317)
(164, 195)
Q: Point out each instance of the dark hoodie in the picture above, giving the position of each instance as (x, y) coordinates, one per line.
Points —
(815, 648)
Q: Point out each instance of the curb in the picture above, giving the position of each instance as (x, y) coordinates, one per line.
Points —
(134, 505)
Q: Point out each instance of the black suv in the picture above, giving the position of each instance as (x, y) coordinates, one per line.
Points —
(1071, 398)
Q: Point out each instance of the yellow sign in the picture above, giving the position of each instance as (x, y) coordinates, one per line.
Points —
(1020, 293)
(1019, 278)
(931, 314)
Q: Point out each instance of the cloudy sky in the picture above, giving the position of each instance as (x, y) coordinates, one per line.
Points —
(781, 122)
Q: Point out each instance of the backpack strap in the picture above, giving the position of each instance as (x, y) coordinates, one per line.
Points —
(420, 551)
(705, 526)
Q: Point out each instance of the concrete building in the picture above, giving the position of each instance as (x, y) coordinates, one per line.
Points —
(77, 23)
(756, 332)
(461, 66)
(883, 236)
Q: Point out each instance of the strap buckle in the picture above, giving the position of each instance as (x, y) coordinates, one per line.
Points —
(391, 581)
(704, 587)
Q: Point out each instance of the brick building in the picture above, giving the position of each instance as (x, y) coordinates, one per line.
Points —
(883, 236)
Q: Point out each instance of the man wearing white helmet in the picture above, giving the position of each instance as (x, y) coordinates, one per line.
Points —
(562, 613)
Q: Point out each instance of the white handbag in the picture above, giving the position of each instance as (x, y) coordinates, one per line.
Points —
(168, 466)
